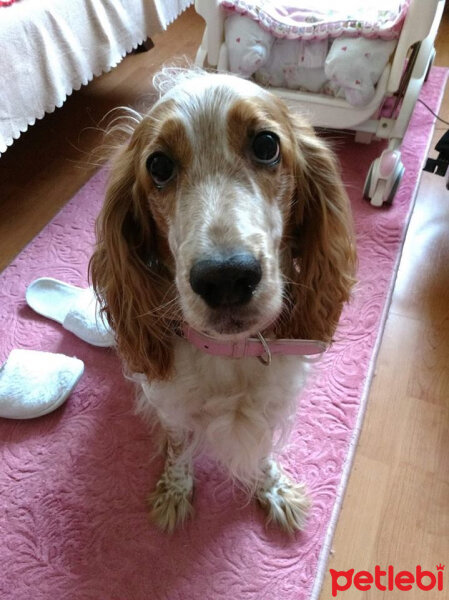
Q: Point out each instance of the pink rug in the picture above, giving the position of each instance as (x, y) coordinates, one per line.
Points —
(73, 520)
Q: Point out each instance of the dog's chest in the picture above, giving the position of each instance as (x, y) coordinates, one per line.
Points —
(208, 387)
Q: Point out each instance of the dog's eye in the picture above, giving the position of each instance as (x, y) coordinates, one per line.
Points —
(266, 148)
(161, 168)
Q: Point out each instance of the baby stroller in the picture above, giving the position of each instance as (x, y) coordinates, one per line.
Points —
(386, 115)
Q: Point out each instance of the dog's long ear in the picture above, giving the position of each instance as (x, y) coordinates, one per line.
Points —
(321, 260)
(126, 273)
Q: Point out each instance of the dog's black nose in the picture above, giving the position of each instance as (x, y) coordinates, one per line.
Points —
(229, 281)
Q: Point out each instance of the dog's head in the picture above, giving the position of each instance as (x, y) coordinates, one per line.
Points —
(224, 211)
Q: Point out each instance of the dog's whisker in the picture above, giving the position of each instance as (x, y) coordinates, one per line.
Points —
(158, 310)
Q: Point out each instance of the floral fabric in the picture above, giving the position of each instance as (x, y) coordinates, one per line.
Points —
(320, 19)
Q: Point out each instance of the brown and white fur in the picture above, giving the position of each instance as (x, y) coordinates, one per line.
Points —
(291, 216)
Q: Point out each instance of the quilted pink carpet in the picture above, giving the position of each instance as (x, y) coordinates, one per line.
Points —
(73, 520)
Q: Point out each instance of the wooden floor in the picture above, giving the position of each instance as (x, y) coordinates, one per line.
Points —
(396, 508)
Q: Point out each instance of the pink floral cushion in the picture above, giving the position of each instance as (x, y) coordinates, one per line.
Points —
(320, 19)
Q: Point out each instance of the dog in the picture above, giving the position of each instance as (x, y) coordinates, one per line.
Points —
(225, 227)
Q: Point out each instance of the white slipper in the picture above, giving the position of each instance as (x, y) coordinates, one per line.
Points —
(75, 308)
(34, 383)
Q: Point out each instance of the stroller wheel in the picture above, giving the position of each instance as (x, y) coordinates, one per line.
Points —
(432, 58)
(396, 183)
(367, 186)
(383, 178)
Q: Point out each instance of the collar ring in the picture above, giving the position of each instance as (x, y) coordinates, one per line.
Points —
(265, 360)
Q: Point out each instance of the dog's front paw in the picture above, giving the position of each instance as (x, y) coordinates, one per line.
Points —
(170, 502)
(285, 502)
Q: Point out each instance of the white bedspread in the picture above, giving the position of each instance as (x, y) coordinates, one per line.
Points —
(48, 48)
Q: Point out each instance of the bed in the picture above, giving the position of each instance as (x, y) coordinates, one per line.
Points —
(48, 48)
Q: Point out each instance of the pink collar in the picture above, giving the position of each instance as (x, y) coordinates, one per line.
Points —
(261, 348)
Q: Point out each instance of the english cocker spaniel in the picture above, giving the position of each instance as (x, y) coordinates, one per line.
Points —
(224, 256)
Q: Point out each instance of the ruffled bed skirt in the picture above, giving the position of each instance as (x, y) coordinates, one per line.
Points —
(48, 48)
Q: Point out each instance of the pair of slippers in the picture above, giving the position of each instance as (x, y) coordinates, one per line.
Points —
(34, 383)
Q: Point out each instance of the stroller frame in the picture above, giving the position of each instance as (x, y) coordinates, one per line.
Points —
(415, 49)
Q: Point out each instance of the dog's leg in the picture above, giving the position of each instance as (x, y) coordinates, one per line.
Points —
(285, 501)
(170, 502)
